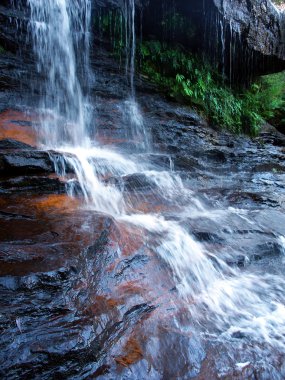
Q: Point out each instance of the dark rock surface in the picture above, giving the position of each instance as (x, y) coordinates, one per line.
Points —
(137, 182)
(25, 162)
(10, 144)
(84, 296)
(259, 21)
(18, 72)
(232, 34)
(32, 185)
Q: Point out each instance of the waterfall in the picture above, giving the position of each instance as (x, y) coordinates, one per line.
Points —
(136, 131)
(130, 42)
(224, 299)
(60, 34)
(223, 46)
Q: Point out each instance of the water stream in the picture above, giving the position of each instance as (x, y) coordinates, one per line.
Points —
(222, 299)
(136, 131)
(60, 34)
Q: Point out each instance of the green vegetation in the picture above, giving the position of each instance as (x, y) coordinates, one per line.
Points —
(111, 24)
(270, 96)
(187, 78)
(175, 23)
(2, 50)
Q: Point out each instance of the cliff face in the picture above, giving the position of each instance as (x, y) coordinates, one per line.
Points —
(242, 38)
(13, 26)
(17, 65)
(260, 28)
(259, 21)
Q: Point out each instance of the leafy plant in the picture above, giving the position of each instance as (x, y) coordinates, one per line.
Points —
(265, 100)
(187, 78)
(175, 23)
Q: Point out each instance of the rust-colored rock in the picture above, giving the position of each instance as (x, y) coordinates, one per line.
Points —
(18, 125)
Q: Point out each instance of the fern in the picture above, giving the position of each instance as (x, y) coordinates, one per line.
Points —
(183, 74)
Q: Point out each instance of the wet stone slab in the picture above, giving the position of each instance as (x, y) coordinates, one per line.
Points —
(76, 291)
(85, 296)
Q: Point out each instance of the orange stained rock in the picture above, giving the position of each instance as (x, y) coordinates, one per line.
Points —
(108, 303)
(10, 127)
(147, 207)
(102, 305)
(132, 353)
(131, 238)
(130, 288)
(59, 203)
(108, 140)
(3, 202)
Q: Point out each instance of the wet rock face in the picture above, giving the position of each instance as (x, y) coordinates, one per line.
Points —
(25, 162)
(10, 144)
(232, 34)
(23, 167)
(259, 20)
(75, 286)
(85, 296)
(11, 18)
(18, 73)
(260, 26)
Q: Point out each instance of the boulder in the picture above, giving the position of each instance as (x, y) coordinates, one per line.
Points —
(10, 144)
(32, 185)
(25, 162)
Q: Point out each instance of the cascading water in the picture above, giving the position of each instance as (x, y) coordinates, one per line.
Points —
(223, 45)
(136, 131)
(224, 299)
(130, 42)
(58, 29)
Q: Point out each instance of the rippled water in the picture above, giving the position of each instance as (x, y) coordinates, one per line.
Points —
(228, 299)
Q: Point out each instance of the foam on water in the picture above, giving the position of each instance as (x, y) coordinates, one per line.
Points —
(282, 242)
(90, 166)
(230, 299)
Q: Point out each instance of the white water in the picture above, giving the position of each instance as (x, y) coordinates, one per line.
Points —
(58, 28)
(222, 299)
(136, 131)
